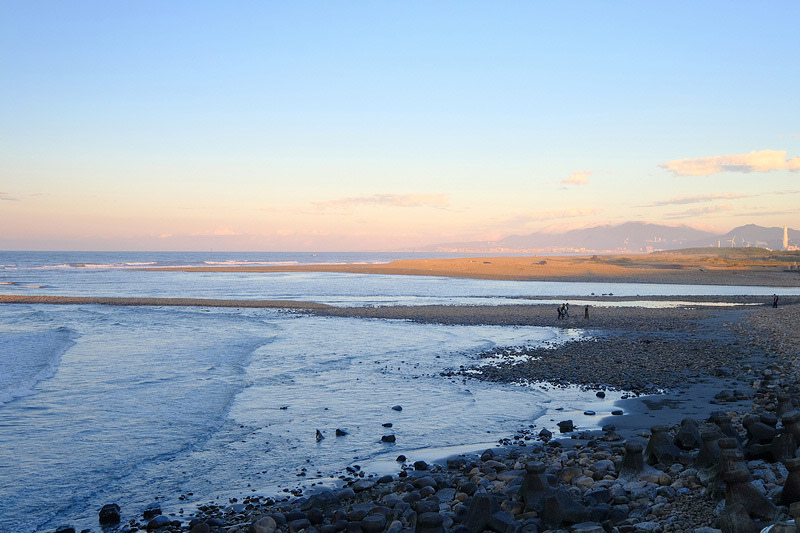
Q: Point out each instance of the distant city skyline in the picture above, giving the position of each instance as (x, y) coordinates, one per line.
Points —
(383, 126)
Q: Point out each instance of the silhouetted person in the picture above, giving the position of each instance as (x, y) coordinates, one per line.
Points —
(586, 312)
(774, 300)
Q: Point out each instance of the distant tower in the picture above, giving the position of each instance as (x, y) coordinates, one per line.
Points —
(786, 237)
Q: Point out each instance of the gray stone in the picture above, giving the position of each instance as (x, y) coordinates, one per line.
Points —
(158, 522)
(265, 524)
(374, 523)
(430, 523)
(202, 527)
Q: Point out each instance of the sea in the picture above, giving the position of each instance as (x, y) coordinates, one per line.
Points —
(181, 406)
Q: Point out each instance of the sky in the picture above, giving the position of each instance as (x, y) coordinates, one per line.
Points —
(361, 126)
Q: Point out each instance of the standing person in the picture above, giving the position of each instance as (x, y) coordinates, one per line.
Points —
(586, 312)
(566, 310)
(774, 300)
(561, 312)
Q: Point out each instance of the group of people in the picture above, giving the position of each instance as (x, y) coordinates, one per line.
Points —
(563, 311)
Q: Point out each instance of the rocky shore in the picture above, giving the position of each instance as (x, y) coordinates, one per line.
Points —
(729, 465)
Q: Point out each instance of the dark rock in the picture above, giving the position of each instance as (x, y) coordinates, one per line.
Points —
(299, 525)
(480, 509)
(566, 426)
(202, 527)
(319, 436)
(688, 436)
(545, 434)
(397, 407)
(388, 438)
(783, 447)
(426, 506)
(734, 519)
(660, 448)
(340, 432)
(265, 524)
(109, 514)
(633, 461)
(292, 516)
(388, 478)
(502, 521)
(469, 488)
(65, 529)
(420, 465)
(430, 523)
(151, 511)
(709, 450)
(534, 487)
(791, 488)
(401, 459)
(315, 516)
(374, 523)
(158, 522)
(757, 431)
(324, 500)
(600, 394)
(740, 490)
(560, 509)
(387, 425)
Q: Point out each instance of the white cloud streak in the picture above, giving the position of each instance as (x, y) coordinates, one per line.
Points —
(438, 201)
(681, 200)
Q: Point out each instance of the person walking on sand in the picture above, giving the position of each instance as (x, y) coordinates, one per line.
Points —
(775, 300)
(586, 312)
(566, 310)
(561, 312)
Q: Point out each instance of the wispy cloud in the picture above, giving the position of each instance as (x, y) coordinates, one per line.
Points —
(438, 201)
(222, 231)
(577, 178)
(701, 211)
(522, 220)
(767, 212)
(757, 161)
(7, 197)
(681, 200)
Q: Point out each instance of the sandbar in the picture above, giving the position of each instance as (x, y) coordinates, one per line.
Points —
(686, 268)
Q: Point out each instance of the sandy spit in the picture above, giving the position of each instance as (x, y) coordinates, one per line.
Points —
(661, 268)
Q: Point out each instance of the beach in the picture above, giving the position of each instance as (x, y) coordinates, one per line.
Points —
(707, 369)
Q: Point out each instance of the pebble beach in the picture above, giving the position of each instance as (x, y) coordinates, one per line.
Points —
(710, 395)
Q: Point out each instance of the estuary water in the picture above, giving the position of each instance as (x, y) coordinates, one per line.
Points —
(136, 405)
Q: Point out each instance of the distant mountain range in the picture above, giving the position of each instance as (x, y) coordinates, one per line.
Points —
(628, 237)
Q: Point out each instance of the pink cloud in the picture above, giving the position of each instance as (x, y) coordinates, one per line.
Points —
(760, 161)
(577, 178)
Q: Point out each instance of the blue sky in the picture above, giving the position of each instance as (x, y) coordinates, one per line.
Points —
(360, 126)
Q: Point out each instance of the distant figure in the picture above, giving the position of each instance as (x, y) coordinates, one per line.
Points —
(566, 310)
(561, 312)
(775, 300)
(586, 312)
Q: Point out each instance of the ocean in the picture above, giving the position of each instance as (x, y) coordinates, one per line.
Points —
(137, 405)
